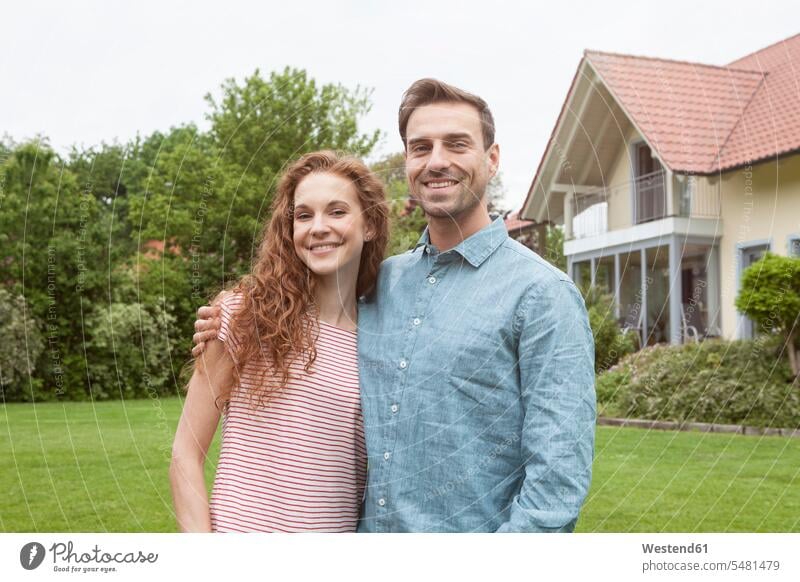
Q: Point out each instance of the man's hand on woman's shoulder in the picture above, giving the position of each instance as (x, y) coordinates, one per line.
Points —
(206, 326)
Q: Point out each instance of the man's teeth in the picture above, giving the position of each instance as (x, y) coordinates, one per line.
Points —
(443, 184)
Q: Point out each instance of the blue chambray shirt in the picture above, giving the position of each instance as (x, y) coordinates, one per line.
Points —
(477, 385)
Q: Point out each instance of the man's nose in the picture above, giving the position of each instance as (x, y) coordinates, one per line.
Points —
(438, 159)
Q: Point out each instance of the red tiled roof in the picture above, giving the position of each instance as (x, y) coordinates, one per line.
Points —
(513, 222)
(771, 123)
(704, 118)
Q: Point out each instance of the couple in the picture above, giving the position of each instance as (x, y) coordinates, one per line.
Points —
(473, 361)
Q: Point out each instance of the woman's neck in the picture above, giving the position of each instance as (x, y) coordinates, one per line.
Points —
(336, 301)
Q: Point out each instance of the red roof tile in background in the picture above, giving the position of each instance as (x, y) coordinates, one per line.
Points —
(704, 118)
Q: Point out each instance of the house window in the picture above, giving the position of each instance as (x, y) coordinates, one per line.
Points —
(794, 245)
(749, 253)
(649, 191)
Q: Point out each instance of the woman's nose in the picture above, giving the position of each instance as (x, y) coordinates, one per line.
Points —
(319, 225)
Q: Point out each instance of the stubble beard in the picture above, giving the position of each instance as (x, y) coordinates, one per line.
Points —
(466, 201)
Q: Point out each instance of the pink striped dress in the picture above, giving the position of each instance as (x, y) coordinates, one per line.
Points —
(298, 464)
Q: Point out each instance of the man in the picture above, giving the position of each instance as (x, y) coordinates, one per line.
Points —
(475, 355)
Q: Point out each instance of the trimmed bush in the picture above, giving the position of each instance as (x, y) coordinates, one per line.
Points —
(770, 296)
(741, 382)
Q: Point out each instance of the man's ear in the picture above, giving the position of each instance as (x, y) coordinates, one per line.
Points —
(493, 155)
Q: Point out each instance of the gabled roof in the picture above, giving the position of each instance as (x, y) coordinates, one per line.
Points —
(702, 118)
(685, 111)
(771, 123)
(705, 118)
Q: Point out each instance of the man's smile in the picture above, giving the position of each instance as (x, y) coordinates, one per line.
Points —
(440, 184)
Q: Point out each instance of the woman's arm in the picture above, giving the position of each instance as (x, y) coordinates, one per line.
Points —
(210, 385)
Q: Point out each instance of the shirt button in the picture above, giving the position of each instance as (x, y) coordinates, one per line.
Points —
(417, 321)
(381, 502)
(386, 456)
(431, 280)
(403, 364)
(394, 407)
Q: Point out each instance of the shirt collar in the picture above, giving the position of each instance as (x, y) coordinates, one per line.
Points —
(478, 247)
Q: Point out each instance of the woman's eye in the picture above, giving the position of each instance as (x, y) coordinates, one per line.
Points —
(338, 212)
(302, 216)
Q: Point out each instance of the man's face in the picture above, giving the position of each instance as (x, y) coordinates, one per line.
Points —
(447, 165)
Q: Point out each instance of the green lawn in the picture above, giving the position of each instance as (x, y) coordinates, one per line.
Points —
(103, 467)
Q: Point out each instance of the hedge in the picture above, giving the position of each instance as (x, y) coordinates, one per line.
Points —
(741, 382)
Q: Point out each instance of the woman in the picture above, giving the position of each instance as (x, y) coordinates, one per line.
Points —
(284, 370)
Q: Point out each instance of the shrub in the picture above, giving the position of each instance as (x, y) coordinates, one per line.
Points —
(610, 344)
(770, 296)
(22, 346)
(741, 382)
(129, 351)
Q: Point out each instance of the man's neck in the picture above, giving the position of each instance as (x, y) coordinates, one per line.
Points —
(448, 232)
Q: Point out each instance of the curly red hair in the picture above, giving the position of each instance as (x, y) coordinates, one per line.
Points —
(275, 323)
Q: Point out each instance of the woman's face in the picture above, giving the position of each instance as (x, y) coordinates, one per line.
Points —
(329, 225)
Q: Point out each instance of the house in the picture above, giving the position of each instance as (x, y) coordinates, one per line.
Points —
(670, 178)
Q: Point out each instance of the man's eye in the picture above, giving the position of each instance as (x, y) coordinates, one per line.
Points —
(459, 144)
(419, 149)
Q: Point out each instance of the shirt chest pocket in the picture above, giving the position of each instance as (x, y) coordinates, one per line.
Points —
(483, 368)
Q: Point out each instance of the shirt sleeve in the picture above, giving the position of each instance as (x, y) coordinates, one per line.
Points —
(556, 368)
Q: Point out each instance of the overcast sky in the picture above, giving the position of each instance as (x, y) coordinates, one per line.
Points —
(86, 72)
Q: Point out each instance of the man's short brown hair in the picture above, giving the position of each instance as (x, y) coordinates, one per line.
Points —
(427, 91)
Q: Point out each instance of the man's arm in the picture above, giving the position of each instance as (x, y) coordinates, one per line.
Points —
(556, 366)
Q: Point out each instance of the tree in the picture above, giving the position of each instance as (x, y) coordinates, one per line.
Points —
(770, 296)
(56, 254)
(406, 218)
(22, 346)
(114, 247)
(496, 195)
(261, 124)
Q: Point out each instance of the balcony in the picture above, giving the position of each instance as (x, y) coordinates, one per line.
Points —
(648, 198)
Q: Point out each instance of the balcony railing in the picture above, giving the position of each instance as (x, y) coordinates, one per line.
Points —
(693, 198)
